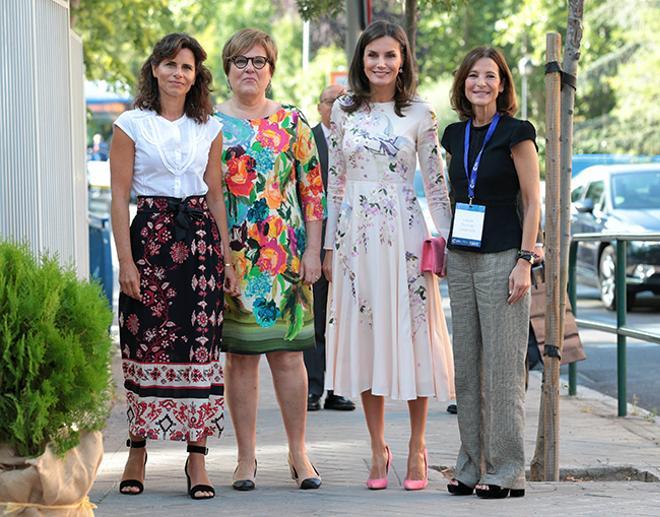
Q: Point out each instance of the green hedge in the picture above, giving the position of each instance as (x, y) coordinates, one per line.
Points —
(55, 377)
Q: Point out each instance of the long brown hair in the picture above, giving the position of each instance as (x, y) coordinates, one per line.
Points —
(506, 101)
(198, 105)
(406, 83)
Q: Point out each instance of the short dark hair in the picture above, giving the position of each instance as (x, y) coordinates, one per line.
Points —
(506, 101)
(198, 105)
(358, 81)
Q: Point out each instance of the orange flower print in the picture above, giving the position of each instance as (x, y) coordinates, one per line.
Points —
(315, 182)
(241, 172)
(272, 258)
(272, 192)
(270, 135)
(275, 226)
(304, 145)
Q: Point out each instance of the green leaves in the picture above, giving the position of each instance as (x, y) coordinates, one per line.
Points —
(54, 353)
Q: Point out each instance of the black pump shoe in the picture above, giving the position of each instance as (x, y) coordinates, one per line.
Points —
(245, 485)
(133, 483)
(307, 483)
(192, 492)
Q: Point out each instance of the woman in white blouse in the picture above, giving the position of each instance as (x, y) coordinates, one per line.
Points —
(171, 261)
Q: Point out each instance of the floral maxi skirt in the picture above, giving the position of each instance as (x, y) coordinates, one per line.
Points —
(170, 339)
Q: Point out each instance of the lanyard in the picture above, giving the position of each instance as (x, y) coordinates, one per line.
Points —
(472, 175)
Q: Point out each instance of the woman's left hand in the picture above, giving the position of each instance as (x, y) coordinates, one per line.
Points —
(520, 281)
(231, 282)
(310, 266)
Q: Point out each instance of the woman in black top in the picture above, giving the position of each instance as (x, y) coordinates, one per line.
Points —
(489, 272)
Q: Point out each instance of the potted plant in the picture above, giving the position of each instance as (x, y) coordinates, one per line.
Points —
(55, 384)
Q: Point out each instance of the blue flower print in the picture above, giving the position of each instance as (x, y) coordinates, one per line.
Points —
(259, 285)
(235, 131)
(266, 313)
(264, 158)
(258, 211)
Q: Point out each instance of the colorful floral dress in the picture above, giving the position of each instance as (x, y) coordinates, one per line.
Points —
(273, 185)
(386, 331)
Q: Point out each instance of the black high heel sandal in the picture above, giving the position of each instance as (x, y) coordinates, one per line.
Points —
(460, 488)
(307, 483)
(192, 492)
(134, 483)
(245, 485)
(497, 492)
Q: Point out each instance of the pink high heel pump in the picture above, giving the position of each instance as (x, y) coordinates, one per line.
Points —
(418, 484)
(381, 483)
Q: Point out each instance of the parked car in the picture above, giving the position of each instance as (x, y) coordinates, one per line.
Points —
(617, 199)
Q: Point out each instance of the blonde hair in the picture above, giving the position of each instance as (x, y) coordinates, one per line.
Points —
(242, 41)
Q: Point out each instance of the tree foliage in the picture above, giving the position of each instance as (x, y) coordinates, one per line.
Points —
(118, 35)
(615, 77)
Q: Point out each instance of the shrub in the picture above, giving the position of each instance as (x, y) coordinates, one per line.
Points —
(55, 348)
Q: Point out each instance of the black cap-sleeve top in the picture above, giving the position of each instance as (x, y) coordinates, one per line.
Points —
(497, 182)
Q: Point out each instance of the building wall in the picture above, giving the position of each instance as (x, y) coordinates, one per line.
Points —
(43, 194)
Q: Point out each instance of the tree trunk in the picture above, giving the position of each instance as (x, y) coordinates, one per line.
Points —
(411, 24)
(545, 465)
(570, 64)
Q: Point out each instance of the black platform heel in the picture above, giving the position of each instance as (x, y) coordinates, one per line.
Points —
(460, 488)
(134, 483)
(192, 492)
(493, 492)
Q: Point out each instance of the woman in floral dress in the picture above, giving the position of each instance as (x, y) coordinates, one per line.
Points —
(171, 261)
(386, 333)
(275, 203)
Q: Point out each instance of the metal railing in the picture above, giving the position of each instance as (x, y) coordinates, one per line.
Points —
(621, 330)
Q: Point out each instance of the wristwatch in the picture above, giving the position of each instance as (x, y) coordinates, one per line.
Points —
(529, 256)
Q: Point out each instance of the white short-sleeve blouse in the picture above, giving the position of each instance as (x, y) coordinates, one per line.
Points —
(170, 156)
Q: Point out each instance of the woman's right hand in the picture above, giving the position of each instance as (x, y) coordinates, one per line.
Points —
(129, 279)
(327, 265)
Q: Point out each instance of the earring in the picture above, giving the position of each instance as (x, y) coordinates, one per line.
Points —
(228, 84)
(269, 88)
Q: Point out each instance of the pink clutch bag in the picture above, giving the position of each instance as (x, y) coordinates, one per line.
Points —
(433, 256)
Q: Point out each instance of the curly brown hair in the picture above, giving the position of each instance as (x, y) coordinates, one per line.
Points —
(406, 83)
(198, 105)
(506, 101)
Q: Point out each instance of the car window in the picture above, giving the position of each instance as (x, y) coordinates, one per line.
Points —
(577, 193)
(640, 190)
(595, 192)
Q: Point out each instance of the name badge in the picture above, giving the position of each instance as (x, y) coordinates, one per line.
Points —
(468, 225)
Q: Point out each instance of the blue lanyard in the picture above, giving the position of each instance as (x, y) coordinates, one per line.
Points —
(472, 175)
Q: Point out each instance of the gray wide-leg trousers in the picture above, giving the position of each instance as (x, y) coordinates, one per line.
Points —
(490, 342)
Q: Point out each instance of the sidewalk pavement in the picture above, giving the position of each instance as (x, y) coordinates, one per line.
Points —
(604, 459)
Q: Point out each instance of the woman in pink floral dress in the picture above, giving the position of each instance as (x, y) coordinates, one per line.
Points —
(171, 261)
(386, 333)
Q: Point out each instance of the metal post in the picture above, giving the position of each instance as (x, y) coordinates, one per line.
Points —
(572, 297)
(620, 289)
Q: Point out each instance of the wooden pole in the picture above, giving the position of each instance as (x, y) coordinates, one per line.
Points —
(545, 465)
(569, 66)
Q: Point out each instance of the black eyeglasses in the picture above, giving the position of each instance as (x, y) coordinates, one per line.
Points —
(241, 62)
